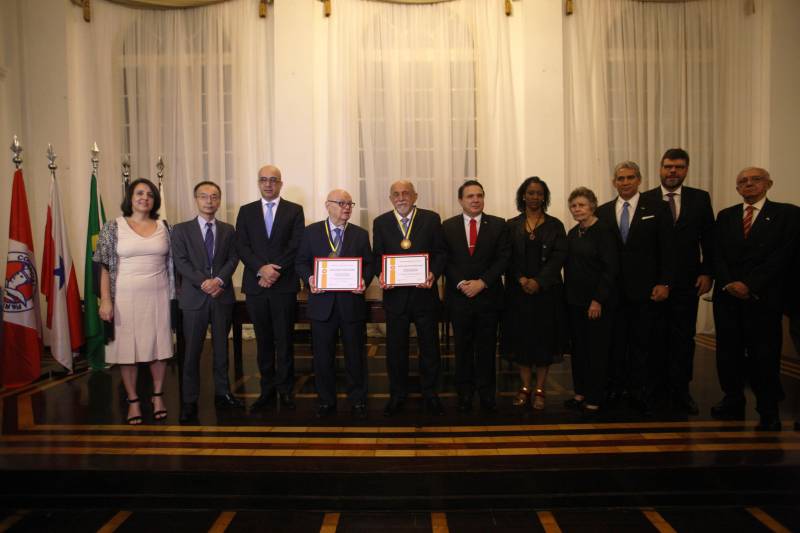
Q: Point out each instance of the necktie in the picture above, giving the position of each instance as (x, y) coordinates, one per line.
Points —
(209, 241)
(404, 220)
(747, 223)
(473, 235)
(337, 239)
(625, 222)
(268, 218)
(673, 206)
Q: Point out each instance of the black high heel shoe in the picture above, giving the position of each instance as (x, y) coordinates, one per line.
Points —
(133, 420)
(161, 414)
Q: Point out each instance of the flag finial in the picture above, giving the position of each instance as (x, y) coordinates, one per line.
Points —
(126, 174)
(160, 169)
(95, 161)
(16, 147)
(51, 158)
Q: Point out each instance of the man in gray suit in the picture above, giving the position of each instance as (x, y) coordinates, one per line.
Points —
(205, 257)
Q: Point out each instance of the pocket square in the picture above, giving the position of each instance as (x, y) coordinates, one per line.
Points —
(648, 216)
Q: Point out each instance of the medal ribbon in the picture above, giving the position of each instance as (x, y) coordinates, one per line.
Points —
(407, 232)
(334, 248)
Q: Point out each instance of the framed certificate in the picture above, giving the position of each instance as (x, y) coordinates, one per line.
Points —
(337, 273)
(405, 269)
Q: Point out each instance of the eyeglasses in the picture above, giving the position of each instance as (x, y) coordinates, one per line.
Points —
(269, 179)
(341, 203)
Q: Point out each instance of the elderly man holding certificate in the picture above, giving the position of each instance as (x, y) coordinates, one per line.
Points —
(409, 244)
(334, 260)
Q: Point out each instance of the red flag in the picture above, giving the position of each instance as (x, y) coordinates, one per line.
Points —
(21, 358)
(60, 286)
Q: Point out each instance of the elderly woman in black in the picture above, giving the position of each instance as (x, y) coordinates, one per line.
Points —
(534, 326)
(590, 279)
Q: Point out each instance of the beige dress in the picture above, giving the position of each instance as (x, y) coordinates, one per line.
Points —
(141, 304)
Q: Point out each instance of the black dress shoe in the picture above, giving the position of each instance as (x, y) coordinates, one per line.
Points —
(265, 401)
(727, 410)
(683, 402)
(769, 423)
(325, 410)
(359, 410)
(573, 404)
(287, 402)
(393, 406)
(797, 425)
(464, 404)
(228, 401)
(433, 406)
(188, 413)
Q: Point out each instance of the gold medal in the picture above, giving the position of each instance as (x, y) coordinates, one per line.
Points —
(405, 244)
(333, 254)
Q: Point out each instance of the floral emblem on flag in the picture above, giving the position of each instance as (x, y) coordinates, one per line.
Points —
(20, 286)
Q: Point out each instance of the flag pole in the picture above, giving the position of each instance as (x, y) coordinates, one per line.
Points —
(126, 174)
(51, 158)
(16, 147)
(95, 161)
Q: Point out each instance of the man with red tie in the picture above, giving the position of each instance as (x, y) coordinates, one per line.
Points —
(478, 251)
(753, 248)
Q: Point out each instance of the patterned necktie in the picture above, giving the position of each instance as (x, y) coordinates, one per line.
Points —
(473, 235)
(673, 206)
(337, 240)
(404, 221)
(625, 222)
(747, 222)
(209, 241)
(268, 218)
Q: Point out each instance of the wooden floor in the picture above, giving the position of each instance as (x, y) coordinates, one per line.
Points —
(67, 458)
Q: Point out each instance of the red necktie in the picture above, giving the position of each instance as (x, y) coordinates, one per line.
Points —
(747, 223)
(473, 235)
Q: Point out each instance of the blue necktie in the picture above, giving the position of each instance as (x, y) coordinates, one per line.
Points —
(209, 241)
(268, 218)
(337, 239)
(625, 222)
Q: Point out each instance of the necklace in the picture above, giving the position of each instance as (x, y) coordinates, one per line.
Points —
(532, 230)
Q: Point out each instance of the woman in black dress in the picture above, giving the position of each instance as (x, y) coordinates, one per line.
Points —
(535, 323)
(590, 280)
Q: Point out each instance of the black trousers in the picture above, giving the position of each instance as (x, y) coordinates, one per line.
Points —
(195, 326)
(634, 350)
(324, 335)
(397, 330)
(273, 316)
(591, 346)
(676, 330)
(475, 332)
(749, 338)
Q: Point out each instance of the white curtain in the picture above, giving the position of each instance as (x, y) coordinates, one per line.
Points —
(419, 92)
(191, 85)
(642, 77)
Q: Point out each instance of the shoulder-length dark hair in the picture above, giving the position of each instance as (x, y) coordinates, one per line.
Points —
(524, 187)
(127, 202)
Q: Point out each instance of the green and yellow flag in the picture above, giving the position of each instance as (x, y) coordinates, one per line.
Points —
(92, 325)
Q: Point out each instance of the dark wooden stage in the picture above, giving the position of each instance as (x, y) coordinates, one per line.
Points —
(70, 464)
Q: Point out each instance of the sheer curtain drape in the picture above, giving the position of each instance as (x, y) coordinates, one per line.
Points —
(404, 88)
(193, 86)
(645, 76)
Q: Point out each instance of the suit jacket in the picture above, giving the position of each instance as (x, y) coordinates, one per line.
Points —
(191, 262)
(760, 261)
(426, 237)
(488, 262)
(256, 249)
(693, 235)
(355, 243)
(646, 258)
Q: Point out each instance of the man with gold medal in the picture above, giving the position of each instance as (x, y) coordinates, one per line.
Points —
(335, 313)
(408, 229)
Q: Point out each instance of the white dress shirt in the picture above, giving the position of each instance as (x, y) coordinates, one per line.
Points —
(759, 205)
(676, 198)
(634, 201)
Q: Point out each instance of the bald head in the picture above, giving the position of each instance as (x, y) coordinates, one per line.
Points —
(403, 196)
(340, 206)
(269, 182)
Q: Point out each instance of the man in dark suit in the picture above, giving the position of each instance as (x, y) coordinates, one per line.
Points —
(754, 245)
(693, 245)
(478, 251)
(645, 233)
(204, 253)
(408, 229)
(268, 234)
(334, 312)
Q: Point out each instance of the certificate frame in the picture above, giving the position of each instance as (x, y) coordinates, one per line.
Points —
(385, 267)
(320, 272)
